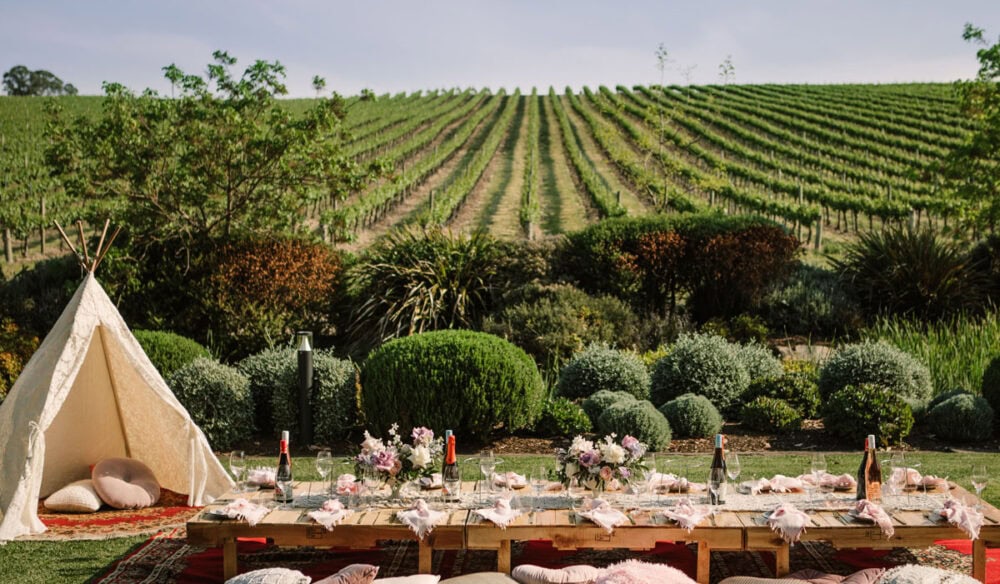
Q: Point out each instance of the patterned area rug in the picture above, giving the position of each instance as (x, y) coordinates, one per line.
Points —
(166, 558)
(169, 512)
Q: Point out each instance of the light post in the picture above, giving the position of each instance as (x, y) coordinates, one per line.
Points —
(305, 385)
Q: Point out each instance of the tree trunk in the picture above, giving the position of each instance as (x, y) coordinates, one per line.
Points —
(8, 246)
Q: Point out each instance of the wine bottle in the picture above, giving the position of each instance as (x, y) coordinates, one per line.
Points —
(283, 476)
(718, 471)
(862, 488)
(447, 436)
(450, 476)
(874, 472)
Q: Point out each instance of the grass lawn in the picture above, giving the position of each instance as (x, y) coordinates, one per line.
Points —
(73, 562)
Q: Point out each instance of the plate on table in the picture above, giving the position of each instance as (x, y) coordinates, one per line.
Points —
(853, 516)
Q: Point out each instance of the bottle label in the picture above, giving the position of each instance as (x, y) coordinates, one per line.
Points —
(283, 491)
(874, 491)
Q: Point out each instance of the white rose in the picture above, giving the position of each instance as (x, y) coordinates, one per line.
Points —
(371, 444)
(572, 469)
(580, 445)
(612, 453)
(420, 457)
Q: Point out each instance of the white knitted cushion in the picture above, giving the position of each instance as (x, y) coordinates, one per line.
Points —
(271, 576)
(76, 497)
(913, 574)
(416, 579)
(529, 574)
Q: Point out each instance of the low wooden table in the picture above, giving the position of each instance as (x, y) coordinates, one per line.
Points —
(727, 530)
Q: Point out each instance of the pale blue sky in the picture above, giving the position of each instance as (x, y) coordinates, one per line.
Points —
(396, 45)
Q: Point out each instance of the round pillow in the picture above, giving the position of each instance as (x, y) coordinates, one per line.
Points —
(125, 483)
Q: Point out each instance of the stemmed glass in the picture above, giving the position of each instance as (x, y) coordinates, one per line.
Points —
(324, 466)
(818, 468)
(733, 467)
(979, 479)
(900, 474)
(487, 465)
(371, 481)
(238, 464)
(539, 480)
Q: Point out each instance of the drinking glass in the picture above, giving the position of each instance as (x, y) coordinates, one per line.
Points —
(371, 481)
(818, 469)
(238, 464)
(979, 479)
(324, 466)
(716, 479)
(487, 465)
(732, 465)
(539, 480)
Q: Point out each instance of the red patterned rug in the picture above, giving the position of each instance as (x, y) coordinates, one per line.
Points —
(166, 558)
(169, 512)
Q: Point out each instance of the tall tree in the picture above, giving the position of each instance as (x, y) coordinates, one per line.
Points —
(223, 157)
(20, 80)
(972, 171)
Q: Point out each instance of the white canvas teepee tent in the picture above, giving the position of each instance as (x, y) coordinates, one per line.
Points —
(88, 393)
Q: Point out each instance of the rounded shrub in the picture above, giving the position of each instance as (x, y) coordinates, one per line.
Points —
(769, 414)
(758, 360)
(168, 351)
(859, 410)
(799, 390)
(334, 397)
(692, 416)
(877, 363)
(701, 364)
(638, 418)
(601, 367)
(962, 418)
(470, 381)
(595, 405)
(218, 399)
(946, 395)
(561, 417)
(991, 384)
(272, 372)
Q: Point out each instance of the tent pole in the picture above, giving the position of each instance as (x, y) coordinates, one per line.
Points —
(100, 244)
(114, 392)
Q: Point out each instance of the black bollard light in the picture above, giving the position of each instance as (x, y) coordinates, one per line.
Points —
(305, 386)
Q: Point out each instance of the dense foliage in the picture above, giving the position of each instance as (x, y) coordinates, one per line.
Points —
(962, 418)
(856, 411)
(471, 382)
(637, 418)
(692, 416)
(218, 398)
(812, 302)
(877, 363)
(702, 364)
(16, 348)
(169, 351)
(601, 367)
(758, 360)
(596, 404)
(561, 417)
(769, 414)
(799, 390)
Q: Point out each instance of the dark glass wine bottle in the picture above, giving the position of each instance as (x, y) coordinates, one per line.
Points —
(863, 468)
(283, 492)
(718, 470)
(450, 476)
(873, 473)
(447, 436)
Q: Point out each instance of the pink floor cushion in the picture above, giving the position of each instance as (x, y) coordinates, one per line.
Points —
(125, 483)
(353, 574)
(529, 574)
(636, 572)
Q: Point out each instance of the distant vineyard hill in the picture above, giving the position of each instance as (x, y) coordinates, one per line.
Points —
(826, 161)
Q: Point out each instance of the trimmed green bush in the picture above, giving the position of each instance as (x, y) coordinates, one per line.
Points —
(470, 381)
(799, 390)
(561, 417)
(811, 302)
(946, 395)
(600, 367)
(877, 363)
(272, 372)
(638, 418)
(595, 405)
(218, 399)
(856, 411)
(168, 351)
(991, 384)
(701, 364)
(553, 322)
(759, 361)
(962, 418)
(769, 414)
(334, 397)
(692, 416)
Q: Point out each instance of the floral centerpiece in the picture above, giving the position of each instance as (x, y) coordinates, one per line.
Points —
(397, 462)
(597, 465)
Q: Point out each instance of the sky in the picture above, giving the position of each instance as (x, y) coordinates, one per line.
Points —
(407, 45)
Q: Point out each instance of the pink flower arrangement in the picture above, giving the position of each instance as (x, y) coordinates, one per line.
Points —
(397, 461)
(597, 465)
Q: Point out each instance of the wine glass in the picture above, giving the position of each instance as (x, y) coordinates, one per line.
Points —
(238, 464)
(487, 465)
(979, 479)
(371, 481)
(539, 480)
(818, 468)
(732, 465)
(324, 466)
(716, 479)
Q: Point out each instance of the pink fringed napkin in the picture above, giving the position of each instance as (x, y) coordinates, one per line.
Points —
(686, 514)
(915, 479)
(347, 484)
(262, 477)
(777, 484)
(501, 513)
(788, 522)
(660, 482)
(865, 509)
(962, 516)
(330, 514)
(421, 518)
(243, 509)
(839, 482)
(602, 513)
(510, 479)
(431, 482)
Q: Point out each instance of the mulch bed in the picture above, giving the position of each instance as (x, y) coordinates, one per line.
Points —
(166, 558)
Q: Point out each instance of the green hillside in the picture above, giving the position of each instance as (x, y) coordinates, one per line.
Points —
(836, 158)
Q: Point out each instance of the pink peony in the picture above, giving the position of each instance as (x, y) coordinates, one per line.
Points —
(632, 444)
(624, 472)
(590, 458)
(606, 473)
(384, 461)
(422, 436)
